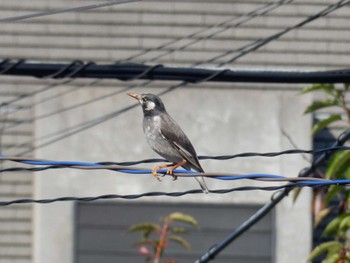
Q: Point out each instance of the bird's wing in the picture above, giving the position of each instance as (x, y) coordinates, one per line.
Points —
(179, 141)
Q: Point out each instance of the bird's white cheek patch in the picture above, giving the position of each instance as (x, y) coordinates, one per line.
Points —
(150, 105)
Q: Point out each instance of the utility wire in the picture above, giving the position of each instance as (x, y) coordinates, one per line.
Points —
(80, 127)
(148, 194)
(225, 24)
(66, 10)
(262, 42)
(217, 248)
(129, 72)
(107, 164)
(254, 13)
(220, 28)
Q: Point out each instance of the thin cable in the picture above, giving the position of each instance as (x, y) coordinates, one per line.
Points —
(221, 28)
(82, 127)
(62, 134)
(287, 187)
(251, 14)
(262, 42)
(62, 110)
(217, 248)
(66, 10)
(148, 194)
(64, 164)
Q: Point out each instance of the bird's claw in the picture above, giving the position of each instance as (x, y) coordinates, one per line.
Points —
(156, 175)
(170, 171)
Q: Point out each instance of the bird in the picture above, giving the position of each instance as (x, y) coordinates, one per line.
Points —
(167, 139)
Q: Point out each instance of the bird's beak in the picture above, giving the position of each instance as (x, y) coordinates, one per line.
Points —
(135, 96)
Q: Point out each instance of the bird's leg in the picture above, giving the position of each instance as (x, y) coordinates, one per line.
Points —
(155, 170)
(173, 167)
(170, 170)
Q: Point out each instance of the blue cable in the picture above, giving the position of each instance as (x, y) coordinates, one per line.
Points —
(148, 171)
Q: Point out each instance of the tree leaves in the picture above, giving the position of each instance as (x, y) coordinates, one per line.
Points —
(157, 236)
(330, 248)
(328, 88)
(324, 123)
(145, 228)
(180, 241)
(184, 218)
(338, 168)
(320, 104)
(338, 226)
(339, 165)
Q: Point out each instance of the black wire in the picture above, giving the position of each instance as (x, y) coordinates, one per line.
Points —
(273, 154)
(255, 218)
(216, 249)
(127, 72)
(262, 42)
(222, 27)
(154, 160)
(148, 194)
(81, 127)
(65, 10)
(252, 14)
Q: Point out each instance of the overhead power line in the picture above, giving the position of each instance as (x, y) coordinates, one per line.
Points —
(307, 172)
(155, 194)
(218, 28)
(128, 72)
(244, 50)
(65, 10)
(108, 164)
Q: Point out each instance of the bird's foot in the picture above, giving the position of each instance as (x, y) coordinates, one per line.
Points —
(155, 173)
(170, 171)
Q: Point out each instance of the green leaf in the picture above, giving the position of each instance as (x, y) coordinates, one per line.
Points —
(344, 224)
(333, 190)
(184, 218)
(180, 241)
(332, 258)
(333, 227)
(324, 248)
(324, 123)
(338, 165)
(320, 104)
(179, 230)
(146, 229)
(325, 87)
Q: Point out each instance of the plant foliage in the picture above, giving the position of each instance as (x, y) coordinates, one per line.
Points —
(155, 238)
(338, 229)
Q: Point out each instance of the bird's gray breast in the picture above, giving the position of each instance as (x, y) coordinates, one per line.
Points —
(152, 128)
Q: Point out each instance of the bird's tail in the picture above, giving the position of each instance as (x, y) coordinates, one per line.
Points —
(202, 184)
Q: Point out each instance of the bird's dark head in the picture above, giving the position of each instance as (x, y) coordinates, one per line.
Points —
(150, 103)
